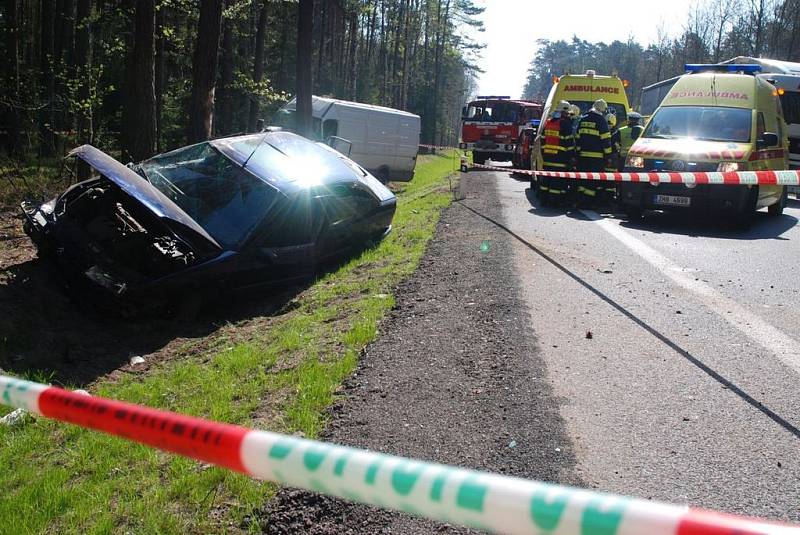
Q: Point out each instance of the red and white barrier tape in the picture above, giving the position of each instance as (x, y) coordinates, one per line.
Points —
(733, 178)
(482, 500)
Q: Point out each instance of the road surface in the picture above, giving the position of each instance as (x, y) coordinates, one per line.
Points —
(673, 345)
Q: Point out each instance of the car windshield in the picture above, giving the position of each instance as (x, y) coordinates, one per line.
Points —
(217, 193)
(700, 122)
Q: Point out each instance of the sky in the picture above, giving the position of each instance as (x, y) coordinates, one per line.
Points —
(513, 26)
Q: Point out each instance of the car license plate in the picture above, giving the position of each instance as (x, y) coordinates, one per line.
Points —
(673, 200)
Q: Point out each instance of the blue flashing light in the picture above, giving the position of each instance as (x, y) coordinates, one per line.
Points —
(744, 68)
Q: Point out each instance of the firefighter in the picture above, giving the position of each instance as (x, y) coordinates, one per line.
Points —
(557, 153)
(593, 145)
(628, 135)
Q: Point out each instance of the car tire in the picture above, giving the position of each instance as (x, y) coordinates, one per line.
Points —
(777, 208)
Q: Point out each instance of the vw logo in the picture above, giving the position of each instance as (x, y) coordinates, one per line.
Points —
(679, 165)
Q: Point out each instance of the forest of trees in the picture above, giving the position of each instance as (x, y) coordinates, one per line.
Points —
(715, 30)
(137, 77)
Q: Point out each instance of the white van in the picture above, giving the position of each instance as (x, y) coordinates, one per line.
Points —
(384, 141)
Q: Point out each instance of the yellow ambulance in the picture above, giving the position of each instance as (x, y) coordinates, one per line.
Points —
(715, 118)
(582, 90)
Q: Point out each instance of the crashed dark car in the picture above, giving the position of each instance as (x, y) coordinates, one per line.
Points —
(231, 213)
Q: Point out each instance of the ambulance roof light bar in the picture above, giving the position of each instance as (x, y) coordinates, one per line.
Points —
(722, 67)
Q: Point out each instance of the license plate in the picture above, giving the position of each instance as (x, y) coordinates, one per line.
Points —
(673, 200)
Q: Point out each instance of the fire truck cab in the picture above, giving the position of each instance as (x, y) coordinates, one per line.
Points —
(491, 126)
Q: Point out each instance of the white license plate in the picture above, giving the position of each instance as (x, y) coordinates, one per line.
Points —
(673, 200)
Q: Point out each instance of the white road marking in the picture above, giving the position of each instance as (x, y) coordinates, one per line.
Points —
(786, 348)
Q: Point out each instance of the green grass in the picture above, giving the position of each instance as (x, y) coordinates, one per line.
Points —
(61, 478)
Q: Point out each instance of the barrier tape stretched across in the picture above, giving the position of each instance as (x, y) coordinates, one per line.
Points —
(438, 147)
(477, 499)
(732, 178)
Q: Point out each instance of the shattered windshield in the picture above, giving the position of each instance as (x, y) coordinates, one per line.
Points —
(700, 122)
(218, 194)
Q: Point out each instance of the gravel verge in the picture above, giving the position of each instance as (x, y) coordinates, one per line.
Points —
(455, 377)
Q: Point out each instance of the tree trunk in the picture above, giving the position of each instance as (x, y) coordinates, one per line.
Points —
(258, 65)
(140, 106)
(13, 146)
(160, 74)
(305, 25)
(204, 72)
(83, 70)
(225, 122)
(46, 78)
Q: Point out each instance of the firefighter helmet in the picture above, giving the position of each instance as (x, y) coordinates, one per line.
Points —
(600, 105)
(634, 118)
(564, 106)
(611, 119)
(574, 111)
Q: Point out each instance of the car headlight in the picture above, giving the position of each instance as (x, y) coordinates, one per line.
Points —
(727, 167)
(636, 162)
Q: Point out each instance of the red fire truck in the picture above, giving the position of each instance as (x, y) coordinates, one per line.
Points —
(491, 126)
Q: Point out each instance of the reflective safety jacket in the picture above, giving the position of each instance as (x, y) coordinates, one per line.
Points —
(558, 147)
(628, 135)
(593, 137)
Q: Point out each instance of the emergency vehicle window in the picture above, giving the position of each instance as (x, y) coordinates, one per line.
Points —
(699, 122)
(760, 126)
(330, 128)
(790, 102)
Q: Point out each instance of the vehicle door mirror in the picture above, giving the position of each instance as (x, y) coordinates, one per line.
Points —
(464, 112)
(340, 144)
(768, 139)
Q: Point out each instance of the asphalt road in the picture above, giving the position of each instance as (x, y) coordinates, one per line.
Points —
(673, 345)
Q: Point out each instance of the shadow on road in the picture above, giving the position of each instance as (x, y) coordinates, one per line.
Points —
(709, 225)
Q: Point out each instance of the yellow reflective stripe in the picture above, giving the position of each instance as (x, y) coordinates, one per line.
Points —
(589, 131)
(554, 147)
(588, 154)
(607, 150)
(605, 136)
(586, 191)
(567, 137)
(551, 132)
(555, 164)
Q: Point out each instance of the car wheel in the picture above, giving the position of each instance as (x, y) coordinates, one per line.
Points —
(745, 216)
(777, 208)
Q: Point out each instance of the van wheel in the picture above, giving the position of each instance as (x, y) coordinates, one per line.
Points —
(777, 208)
(383, 175)
(634, 214)
(745, 216)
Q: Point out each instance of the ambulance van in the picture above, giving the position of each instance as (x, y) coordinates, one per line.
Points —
(715, 118)
(582, 90)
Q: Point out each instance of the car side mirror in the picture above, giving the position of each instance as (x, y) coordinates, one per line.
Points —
(464, 113)
(340, 144)
(768, 139)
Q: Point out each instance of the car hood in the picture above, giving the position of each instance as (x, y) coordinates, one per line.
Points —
(140, 189)
(689, 149)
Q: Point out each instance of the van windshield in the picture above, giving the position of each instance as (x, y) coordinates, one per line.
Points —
(700, 122)
(617, 109)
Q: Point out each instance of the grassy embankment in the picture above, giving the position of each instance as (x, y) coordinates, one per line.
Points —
(60, 478)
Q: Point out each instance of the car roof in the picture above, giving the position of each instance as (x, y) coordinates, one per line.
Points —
(288, 162)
